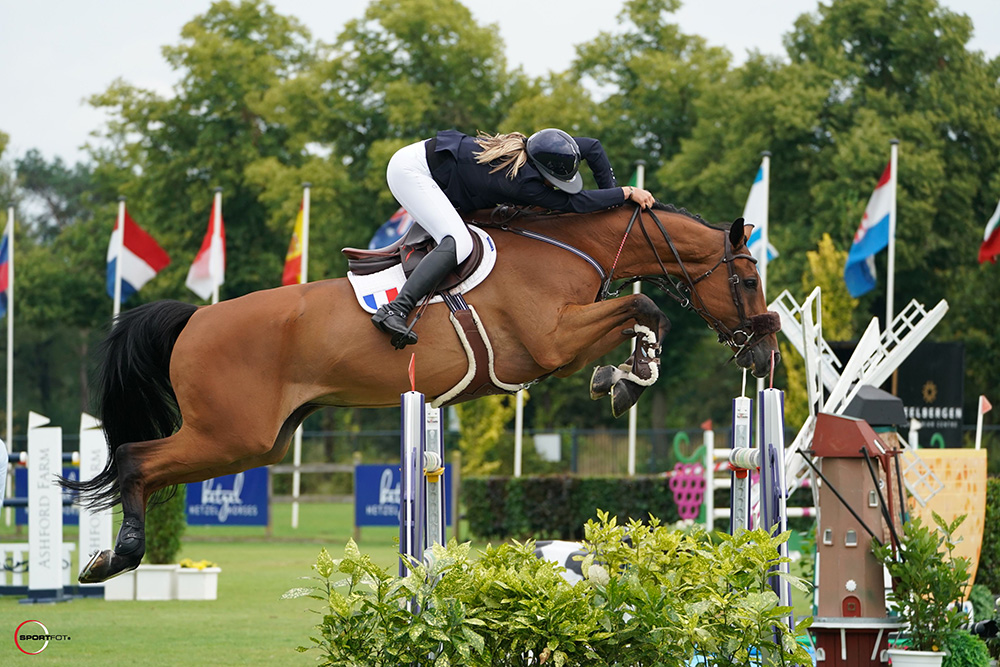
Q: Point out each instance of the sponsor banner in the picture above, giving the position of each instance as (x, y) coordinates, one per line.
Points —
(231, 500)
(376, 495)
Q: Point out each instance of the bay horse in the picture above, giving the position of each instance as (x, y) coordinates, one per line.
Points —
(190, 393)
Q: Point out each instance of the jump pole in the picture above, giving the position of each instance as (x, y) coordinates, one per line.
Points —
(421, 485)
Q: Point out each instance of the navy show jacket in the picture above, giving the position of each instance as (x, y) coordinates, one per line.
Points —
(470, 186)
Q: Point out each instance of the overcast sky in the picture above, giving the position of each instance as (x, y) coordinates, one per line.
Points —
(55, 53)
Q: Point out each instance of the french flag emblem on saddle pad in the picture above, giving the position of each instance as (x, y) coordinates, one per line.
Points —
(378, 289)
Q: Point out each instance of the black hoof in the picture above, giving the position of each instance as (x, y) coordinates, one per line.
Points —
(107, 564)
(624, 395)
(603, 378)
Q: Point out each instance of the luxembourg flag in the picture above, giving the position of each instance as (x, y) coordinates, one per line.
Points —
(872, 237)
(208, 271)
(988, 250)
(5, 270)
(755, 213)
(141, 258)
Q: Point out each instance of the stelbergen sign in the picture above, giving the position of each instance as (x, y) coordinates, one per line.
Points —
(376, 495)
(931, 384)
(232, 500)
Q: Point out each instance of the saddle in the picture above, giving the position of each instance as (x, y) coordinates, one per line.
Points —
(408, 251)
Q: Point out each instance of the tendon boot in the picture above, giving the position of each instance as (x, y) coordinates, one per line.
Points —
(391, 318)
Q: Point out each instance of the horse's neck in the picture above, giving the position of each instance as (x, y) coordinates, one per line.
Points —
(601, 236)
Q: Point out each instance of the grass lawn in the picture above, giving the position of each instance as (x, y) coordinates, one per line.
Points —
(247, 625)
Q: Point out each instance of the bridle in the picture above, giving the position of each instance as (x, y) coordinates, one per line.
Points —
(750, 331)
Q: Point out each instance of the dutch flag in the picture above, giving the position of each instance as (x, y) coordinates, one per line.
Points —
(872, 237)
(142, 258)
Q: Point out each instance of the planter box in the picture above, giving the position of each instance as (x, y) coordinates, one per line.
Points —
(156, 582)
(121, 587)
(195, 584)
(915, 658)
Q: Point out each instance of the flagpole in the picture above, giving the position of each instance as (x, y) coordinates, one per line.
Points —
(303, 279)
(216, 234)
(116, 309)
(891, 277)
(633, 412)
(10, 331)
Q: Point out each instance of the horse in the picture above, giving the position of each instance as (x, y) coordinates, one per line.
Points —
(190, 393)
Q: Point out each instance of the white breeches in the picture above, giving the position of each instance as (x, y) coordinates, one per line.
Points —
(415, 189)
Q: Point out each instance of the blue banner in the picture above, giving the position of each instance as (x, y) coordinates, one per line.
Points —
(71, 513)
(232, 500)
(376, 495)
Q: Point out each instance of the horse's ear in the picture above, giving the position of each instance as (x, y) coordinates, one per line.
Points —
(738, 232)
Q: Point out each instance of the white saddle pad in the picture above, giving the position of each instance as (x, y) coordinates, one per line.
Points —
(378, 289)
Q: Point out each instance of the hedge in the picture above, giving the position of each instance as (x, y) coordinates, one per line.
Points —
(558, 506)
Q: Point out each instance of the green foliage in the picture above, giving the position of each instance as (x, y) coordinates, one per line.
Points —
(926, 580)
(481, 426)
(556, 506)
(165, 526)
(965, 650)
(988, 573)
(662, 598)
(983, 602)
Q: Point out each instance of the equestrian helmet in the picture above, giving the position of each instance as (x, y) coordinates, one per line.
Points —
(556, 155)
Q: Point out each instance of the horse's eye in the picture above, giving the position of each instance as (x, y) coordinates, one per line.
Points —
(751, 284)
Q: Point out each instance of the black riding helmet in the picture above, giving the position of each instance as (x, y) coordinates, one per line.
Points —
(556, 155)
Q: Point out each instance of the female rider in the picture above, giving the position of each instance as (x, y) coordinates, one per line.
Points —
(433, 178)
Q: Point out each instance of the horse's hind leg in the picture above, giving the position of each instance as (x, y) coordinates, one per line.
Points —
(131, 542)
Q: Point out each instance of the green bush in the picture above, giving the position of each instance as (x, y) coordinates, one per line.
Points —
(557, 506)
(662, 598)
(988, 573)
(165, 525)
(964, 650)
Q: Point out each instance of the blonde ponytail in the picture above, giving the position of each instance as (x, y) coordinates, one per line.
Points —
(506, 150)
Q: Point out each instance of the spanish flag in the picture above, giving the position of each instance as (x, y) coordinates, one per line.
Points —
(292, 274)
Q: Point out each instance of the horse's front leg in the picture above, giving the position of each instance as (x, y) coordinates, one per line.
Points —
(582, 334)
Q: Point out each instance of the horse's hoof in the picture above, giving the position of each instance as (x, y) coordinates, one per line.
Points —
(106, 565)
(624, 395)
(603, 378)
(98, 569)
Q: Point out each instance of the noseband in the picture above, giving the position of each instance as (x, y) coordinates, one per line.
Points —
(750, 331)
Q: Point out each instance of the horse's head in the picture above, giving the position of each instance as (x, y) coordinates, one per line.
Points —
(730, 297)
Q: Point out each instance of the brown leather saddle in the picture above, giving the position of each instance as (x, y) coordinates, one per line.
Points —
(408, 251)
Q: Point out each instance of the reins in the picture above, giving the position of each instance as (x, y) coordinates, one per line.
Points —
(680, 290)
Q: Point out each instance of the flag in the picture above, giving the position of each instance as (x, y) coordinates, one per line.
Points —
(872, 236)
(984, 405)
(990, 247)
(5, 270)
(292, 275)
(392, 230)
(209, 267)
(142, 258)
(755, 213)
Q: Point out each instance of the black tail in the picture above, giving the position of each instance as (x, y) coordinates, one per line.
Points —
(136, 401)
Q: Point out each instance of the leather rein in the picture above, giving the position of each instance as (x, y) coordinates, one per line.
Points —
(750, 332)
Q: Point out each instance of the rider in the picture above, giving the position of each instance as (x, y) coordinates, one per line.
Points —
(433, 178)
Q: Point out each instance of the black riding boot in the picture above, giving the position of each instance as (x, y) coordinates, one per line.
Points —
(391, 318)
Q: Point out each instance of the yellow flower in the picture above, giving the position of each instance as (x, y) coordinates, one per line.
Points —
(196, 565)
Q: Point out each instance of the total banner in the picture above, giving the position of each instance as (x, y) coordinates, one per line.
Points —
(376, 495)
(231, 500)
